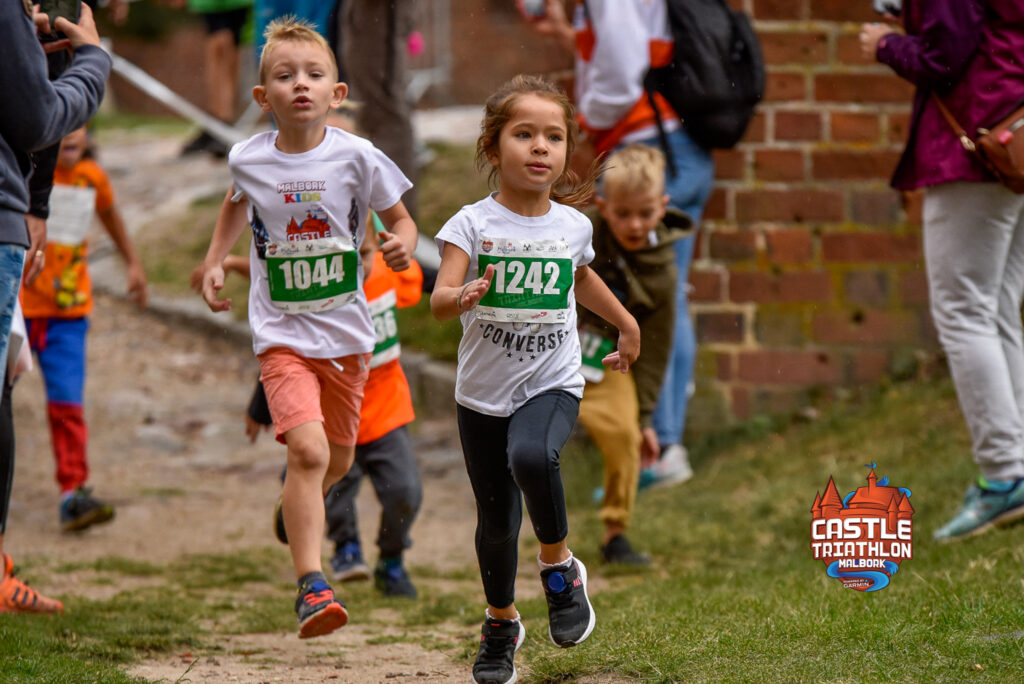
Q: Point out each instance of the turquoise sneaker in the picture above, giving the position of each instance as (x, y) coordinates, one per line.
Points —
(984, 509)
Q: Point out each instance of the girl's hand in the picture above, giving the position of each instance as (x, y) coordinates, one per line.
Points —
(213, 281)
(396, 256)
(137, 287)
(628, 349)
(473, 291)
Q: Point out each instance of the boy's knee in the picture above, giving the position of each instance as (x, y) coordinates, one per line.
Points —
(308, 454)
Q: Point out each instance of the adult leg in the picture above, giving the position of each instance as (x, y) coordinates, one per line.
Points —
(972, 242)
(6, 458)
(499, 507)
(12, 262)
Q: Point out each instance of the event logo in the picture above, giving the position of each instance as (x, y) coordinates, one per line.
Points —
(863, 537)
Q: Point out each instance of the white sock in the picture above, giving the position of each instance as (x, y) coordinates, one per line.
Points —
(563, 564)
(487, 615)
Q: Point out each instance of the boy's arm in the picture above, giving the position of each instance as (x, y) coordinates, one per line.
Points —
(592, 293)
(399, 240)
(230, 224)
(114, 225)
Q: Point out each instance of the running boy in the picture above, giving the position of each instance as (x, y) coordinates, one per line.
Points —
(513, 265)
(634, 234)
(57, 305)
(306, 189)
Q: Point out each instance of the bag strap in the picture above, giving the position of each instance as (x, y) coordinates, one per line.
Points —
(965, 139)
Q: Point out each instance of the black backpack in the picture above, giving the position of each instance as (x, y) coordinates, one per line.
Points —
(716, 75)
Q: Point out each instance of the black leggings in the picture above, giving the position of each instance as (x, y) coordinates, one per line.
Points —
(6, 454)
(506, 457)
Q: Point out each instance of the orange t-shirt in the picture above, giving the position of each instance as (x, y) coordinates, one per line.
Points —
(63, 288)
(387, 401)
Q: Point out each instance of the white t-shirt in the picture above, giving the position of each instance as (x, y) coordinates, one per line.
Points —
(507, 355)
(325, 192)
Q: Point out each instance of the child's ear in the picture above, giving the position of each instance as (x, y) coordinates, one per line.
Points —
(664, 205)
(602, 206)
(259, 94)
(340, 93)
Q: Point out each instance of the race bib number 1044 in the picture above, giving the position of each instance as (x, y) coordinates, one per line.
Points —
(312, 275)
(531, 281)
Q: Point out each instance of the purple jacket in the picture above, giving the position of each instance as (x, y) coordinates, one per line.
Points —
(969, 52)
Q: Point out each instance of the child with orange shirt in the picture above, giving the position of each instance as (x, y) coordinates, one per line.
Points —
(57, 305)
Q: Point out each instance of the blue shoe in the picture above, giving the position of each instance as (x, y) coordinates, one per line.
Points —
(347, 564)
(391, 579)
(984, 509)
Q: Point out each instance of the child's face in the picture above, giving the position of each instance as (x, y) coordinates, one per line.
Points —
(300, 84)
(532, 145)
(72, 147)
(631, 216)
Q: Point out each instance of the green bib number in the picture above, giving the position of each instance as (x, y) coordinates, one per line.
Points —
(312, 275)
(384, 313)
(594, 347)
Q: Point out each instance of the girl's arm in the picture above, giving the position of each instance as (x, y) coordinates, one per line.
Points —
(399, 240)
(230, 224)
(450, 297)
(114, 225)
(593, 294)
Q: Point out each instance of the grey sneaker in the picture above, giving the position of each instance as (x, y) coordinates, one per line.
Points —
(671, 469)
(495, 661)
(570, 615)
(984, 509)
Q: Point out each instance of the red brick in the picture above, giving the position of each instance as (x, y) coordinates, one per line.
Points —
(861, 88)
(779, 328)
(779, 165)
(716, 207)
(791, 47)
(719, 327)
(847, 165)
(843, 10)
(707, 286)
(863, 327)
(780, 9)
(755, 129)
(799, 286)
(869, 365)
(733, 246)
(875, 207)
(724, 366)
(730, 164)
(785, 86)
(848, 50)
(789, 246)
(913, 288)
(797, 125)
(740, 402)
(899, 127)
(789, 205)
(867, 288)
(870, 247)
(854, 127)
(788, 367)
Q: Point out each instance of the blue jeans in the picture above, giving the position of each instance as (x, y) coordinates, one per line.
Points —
(12, 261)
(688, 191)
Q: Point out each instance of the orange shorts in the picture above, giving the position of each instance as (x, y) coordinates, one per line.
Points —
(301, 390)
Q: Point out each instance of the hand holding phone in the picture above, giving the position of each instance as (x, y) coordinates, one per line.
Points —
(532, 9)
(81, 30)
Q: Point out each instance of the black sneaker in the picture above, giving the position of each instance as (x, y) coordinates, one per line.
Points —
(570, 615)
(319, 611)
(619, 550)
(280, 533)
(82, 510)
(204, 142)
(499, 641)
(392, 580)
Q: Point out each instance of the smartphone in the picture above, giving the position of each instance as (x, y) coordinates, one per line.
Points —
(533, 8)
(892, 7)
(69, 9)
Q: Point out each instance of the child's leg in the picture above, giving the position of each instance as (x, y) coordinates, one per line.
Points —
(499, 507)
(392, 468)
(536, 434)
(340, 504)
(610, 414)
(302, 501)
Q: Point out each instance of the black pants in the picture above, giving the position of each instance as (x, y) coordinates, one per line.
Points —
(509, 459)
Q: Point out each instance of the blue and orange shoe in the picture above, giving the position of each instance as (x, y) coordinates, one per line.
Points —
(18, 597)
(319, 611)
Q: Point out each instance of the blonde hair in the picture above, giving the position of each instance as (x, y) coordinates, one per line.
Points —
(634, 168)
(290, 28)
(568, 188)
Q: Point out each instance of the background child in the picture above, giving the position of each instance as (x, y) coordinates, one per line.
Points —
(507, 262)
(306, 189)
(634, 256)
(57, 305)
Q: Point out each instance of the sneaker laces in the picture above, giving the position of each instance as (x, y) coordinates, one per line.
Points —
(495, 646)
